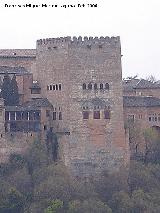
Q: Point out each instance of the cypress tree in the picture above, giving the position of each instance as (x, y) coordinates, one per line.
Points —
(6, 89)
(14, 99)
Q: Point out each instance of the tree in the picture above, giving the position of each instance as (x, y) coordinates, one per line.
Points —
(88, 206)
(55, 206)
(144, 176)
(121, 202)
(152, 145)
(10, 91)
(52, 144)
(6, 89)
(14, 99)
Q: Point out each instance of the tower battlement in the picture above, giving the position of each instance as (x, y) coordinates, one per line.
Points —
(79, 41)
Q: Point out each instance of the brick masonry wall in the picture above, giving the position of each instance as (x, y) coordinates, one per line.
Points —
(93, 145)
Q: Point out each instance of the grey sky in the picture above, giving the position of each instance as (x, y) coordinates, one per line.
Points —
(136, 22)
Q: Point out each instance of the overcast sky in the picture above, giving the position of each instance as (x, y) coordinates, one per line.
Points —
(136, 22)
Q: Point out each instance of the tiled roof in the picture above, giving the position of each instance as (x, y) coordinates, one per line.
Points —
(139, 101)
(144, 84)
(132, 83)
(128, 85)
(35, 104)
(13, 70)
(17, 52)
(38, 102)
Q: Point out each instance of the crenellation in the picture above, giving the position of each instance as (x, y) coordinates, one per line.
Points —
(79, 41)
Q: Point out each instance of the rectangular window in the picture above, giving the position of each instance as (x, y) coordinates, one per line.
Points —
(106, 114)
(149, 118)
(54, 87)
(85, 114)
(96, 114)
(54, 115)
(50, 87)
(60, 87)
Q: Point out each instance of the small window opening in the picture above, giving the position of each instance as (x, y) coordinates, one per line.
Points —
(60, 115)
(89, 86)
(50, 87)
(85, 114)
(56, 87)
(96, 115)
(84, 86)
(106, 114)
(101, 86)
(95, 86)
(60, 87)
(54, 116)
(107, 86)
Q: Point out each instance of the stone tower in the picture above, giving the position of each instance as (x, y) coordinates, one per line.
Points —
(82, 79)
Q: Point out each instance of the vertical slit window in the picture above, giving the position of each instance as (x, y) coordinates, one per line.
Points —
(101, 86)
(60, 115)
(84, 86)
(54, 115)
(60, 87)
(90, 86)
(95, 86)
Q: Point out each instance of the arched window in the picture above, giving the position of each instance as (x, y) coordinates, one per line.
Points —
(101, 86)
(107, 86)
(89, 86)
(95, 86)
(84, 86)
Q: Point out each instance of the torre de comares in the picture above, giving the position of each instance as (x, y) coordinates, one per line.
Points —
(73, 86)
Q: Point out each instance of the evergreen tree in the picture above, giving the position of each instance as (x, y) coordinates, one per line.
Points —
(14, 99)
(10, 91)
(6, 89)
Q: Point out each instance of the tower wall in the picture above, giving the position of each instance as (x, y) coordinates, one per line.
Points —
(93, 145)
